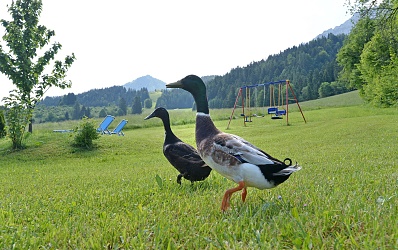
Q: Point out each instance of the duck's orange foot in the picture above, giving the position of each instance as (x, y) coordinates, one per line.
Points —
(228, 194)
(225, 202)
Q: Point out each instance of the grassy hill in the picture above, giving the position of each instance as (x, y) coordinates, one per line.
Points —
(154, 95)
(345, 197)
(343, 100)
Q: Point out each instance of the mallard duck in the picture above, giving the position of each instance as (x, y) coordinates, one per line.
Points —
(230, 155)
(181, 155)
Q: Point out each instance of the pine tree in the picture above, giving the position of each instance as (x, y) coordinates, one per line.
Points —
(122, 106)
(83, 112)
(137, 107)
(76, 111)
(102, 113)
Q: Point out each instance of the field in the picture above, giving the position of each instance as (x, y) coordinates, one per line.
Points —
(124, 195)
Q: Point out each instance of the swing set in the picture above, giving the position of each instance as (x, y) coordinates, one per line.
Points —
(278, 104)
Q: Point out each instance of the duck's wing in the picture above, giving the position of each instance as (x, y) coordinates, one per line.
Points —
(182, 154)
(241, 149)
(256, 148)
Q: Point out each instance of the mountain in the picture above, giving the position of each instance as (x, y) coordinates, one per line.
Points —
(207, 79)
(344, 28)
(148, 82)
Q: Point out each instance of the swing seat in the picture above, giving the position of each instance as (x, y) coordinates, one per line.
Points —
(281, 112)
(272, 110)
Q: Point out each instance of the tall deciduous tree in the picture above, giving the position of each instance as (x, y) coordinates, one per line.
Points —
(349, 56)
(21, 63)
(370, 54)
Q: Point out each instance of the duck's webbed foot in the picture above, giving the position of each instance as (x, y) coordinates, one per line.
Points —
(228, 194)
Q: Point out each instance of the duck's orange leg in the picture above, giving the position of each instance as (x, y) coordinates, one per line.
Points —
(244, 193)
(228, 194)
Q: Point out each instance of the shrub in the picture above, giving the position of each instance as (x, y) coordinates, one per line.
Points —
(85, 134)
(2, 125)
(18, 117)
(331, 88)
(148, 103)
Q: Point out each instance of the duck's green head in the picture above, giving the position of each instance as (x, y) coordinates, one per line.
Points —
(194, 85)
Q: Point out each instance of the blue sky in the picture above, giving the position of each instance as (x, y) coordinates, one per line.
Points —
(118, 41)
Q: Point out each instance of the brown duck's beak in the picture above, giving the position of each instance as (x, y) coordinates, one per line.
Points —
(172, 85)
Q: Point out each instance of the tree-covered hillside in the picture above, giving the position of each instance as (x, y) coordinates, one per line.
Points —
(98, 97)
(307, 66)
(116, 100)
(178, 98)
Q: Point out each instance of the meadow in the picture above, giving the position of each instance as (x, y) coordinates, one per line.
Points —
(124, 195)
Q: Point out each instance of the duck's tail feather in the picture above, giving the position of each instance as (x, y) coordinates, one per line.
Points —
(288, 170)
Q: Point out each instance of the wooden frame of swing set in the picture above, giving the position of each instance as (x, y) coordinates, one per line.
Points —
(273, 110)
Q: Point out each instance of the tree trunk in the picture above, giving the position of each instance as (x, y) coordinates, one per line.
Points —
(30, 129)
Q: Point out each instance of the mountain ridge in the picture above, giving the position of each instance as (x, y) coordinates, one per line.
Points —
(147, 81)
(344, 28)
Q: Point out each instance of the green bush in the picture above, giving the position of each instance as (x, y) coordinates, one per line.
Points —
(18, 117)
(148, 103)
(2, 125)
(86, 133)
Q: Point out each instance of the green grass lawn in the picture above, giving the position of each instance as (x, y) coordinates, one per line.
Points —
(346, 196)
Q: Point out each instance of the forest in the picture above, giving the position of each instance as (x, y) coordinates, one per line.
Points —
(114, 101)
(308, 67)
(98, 97)
(366, 60)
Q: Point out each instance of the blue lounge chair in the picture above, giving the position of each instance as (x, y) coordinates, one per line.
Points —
(119, 127)
(103, 127)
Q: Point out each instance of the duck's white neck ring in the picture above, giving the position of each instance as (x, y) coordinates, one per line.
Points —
(202, 114)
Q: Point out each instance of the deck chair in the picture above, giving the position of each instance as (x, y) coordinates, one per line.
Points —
(103, 127)
(119, 127)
